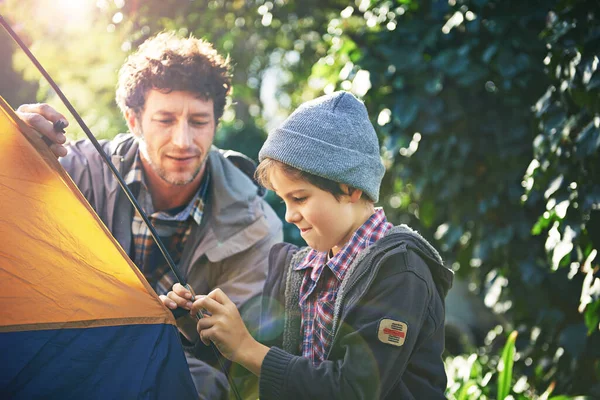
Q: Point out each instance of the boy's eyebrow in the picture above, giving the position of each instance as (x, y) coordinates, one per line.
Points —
(291, 192)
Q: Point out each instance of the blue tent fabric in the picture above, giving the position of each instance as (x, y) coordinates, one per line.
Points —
(124, 362)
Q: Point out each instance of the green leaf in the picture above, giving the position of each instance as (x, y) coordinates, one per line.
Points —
(554, 186)
(541, 224)
(464, 391)
(427, 212)
(489, 53)
(592, 317)
(505, 368)
(434, 85)
(405, 111)
(588, 140)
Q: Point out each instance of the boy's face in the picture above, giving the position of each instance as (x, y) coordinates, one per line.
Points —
(324, 222)
(176, 131)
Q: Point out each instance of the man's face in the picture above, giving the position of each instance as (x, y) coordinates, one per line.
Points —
(176, 131)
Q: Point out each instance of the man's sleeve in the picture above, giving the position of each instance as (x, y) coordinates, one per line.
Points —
(242, 277)
(77, 165)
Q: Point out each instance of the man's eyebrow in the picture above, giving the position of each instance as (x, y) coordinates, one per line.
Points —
(202, 114)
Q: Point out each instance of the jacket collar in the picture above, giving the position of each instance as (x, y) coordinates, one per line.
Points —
(233, 219)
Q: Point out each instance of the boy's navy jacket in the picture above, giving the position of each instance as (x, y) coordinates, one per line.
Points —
(400, 279)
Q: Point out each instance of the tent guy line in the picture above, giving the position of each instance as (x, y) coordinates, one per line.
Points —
(94, 141)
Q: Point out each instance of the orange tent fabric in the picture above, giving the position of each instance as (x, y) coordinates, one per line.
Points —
(78, 319)
(50, 237)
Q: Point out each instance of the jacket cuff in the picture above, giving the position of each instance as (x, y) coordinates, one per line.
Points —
(273, 374)
(197, 350)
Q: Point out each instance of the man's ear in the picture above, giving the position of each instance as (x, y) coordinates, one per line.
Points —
(132, 121)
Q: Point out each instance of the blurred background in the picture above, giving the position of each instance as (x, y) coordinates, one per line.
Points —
(488, 112)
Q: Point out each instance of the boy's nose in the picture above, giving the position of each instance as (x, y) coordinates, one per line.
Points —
(292, 216)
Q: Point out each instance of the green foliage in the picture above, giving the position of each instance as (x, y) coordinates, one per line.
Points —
(565, 171)
(84, 65)
(451, 87)
(505, 368)
(488, 113)
(485, 376)
(480, 376)
(12, 87)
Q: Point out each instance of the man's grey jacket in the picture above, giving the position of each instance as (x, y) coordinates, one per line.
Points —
(229, 249)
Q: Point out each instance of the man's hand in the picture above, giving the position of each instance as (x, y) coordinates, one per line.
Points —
(42, 118)
(178, 297)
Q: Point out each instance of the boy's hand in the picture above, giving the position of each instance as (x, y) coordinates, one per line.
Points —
(42, 118)
(178, 297)
(225, 328)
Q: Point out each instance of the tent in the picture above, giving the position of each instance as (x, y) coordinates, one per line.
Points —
(77, 318)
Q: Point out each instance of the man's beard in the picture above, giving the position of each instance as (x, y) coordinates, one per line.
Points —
(177, 182)
(164, 175)
(161, 172)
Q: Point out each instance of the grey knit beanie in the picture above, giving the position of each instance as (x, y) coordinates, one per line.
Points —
(331, 137)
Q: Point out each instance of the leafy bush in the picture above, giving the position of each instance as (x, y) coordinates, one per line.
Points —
(489, 115)
(488, 376)
(452, 87)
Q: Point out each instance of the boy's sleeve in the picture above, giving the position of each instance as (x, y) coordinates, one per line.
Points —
(377, 339)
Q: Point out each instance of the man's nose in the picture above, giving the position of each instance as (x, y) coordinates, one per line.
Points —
(182, 136)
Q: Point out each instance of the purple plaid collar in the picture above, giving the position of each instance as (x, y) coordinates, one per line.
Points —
(372, 230)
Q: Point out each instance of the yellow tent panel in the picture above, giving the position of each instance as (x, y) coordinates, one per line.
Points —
(54, 250)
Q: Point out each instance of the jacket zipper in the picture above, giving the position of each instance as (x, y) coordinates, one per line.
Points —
(365, 270)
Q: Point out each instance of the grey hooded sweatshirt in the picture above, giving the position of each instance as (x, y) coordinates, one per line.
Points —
(388, 328)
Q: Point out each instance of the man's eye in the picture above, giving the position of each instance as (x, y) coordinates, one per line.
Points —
(164, 121)
(199, 123)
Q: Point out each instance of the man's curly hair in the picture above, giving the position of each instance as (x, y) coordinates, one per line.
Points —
(168, 63)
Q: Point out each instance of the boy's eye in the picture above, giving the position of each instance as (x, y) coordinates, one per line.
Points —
(299, 199)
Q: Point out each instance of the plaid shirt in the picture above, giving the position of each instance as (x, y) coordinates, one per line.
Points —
(173, 227)
(320, 286)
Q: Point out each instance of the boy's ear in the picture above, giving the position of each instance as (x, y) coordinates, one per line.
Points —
(356, 195)
(353, 194)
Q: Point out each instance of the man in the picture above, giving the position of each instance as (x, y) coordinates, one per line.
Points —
(209, 213)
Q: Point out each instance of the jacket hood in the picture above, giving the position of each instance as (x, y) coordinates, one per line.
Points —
(442, 275)
(235, 217)
(234, 201)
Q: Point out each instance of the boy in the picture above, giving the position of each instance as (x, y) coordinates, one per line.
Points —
(360, 312)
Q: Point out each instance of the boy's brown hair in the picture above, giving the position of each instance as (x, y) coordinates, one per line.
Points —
(169, 63)
(268, 164)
